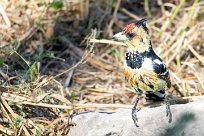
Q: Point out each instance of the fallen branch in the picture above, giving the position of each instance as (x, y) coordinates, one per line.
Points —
(87, 105)
(200, 58)
(75, 106)
(106, 42)
(5, 17)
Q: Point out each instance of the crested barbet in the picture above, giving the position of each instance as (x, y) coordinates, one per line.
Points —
(143, 69)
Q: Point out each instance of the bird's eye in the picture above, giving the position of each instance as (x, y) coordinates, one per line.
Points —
(131, 35)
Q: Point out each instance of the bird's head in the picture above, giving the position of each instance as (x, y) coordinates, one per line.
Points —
(135, 36)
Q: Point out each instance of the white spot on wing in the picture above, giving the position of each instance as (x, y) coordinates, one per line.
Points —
(158, 61)
(147, 64)
(159, 94)
(164, 73)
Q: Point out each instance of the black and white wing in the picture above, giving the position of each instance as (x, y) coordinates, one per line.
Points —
(161, 70)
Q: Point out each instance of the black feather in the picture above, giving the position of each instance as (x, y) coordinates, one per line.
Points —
(142, 23)
(153, 96)
(134, 59)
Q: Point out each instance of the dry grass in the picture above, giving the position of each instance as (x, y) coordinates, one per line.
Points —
(57, 59)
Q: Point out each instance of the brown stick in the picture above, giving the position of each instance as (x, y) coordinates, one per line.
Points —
(14, 115)
(201, 58)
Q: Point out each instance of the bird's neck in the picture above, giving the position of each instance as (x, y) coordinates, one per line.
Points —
(136, 53)
(139, 48)
(133, 54)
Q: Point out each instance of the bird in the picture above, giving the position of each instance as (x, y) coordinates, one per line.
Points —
(143, 68)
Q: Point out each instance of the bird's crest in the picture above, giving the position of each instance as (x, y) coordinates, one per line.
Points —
(142, 23)
(128, 28)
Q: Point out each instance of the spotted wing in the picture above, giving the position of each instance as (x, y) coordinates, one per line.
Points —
(161, 70)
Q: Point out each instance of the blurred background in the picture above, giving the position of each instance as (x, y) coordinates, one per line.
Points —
(51, 57)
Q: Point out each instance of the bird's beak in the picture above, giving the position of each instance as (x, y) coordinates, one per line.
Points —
(120, 37)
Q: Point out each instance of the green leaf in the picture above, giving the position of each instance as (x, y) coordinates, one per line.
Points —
(32, 72)
(72, 98)
(176, 10)
(57, 4)
(1, 62)
(18, 121)
(38, 130)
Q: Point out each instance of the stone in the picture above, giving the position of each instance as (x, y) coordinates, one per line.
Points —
(187, 120)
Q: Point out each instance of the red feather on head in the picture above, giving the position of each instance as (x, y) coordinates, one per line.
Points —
(128, 28)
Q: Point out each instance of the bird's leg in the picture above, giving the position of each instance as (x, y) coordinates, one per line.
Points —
(168, 109)
(135, 110)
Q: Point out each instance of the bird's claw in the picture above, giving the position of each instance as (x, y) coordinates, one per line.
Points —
(168, 111)
(134, 115)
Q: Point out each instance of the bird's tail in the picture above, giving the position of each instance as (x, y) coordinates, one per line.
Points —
(156, 96)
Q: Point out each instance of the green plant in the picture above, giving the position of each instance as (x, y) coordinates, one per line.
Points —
(1, 62)
(18, 121)
(57, 4)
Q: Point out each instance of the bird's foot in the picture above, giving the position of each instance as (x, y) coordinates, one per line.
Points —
(134, 115)
(168, 111)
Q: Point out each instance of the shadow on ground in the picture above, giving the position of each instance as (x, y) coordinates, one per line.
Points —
(180, 125)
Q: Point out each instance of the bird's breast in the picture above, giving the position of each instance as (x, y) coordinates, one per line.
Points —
(134, 60)
(137, 60)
